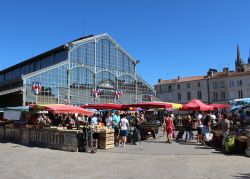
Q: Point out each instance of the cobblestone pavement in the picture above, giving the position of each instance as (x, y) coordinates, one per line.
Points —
(151, 159)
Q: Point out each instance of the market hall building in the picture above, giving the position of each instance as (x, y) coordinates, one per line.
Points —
(91, 69)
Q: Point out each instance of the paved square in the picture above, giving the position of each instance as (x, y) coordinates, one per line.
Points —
(152, 159)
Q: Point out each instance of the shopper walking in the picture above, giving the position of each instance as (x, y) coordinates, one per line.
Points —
(124, 130)
(169, 127)
(189, 133)
(116, 121)
(199, 128)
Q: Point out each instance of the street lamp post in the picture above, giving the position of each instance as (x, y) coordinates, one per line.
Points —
(69, 45)
(136, 62)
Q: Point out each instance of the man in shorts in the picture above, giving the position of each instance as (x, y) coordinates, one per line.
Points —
(124, 130)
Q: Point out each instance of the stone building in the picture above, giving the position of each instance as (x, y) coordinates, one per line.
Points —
(215, 87)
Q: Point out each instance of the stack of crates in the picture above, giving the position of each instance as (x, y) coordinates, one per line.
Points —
(106, 139)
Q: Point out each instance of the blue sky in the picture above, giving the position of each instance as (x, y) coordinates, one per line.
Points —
(170, 37)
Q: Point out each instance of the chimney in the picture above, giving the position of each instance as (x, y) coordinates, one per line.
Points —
(226, 70)
(211, 72)
(159, 80)
(178, 78)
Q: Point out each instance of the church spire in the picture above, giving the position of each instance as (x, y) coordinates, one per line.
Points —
(249, 57)
(238, 62)
(238, 59)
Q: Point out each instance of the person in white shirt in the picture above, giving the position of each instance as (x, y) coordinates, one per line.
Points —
(124, 129)
(94, 120)
(199, 127)
(109, 121)
(213, 118)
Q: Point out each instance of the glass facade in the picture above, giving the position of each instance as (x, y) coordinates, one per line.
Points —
(90, 65)
(36, 65)
(53, 86)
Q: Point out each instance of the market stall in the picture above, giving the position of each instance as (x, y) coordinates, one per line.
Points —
(242, 106)
(197, 105)
(36, 126)
(61, 108)
(104, 106)
(220, 106)
(149, 105)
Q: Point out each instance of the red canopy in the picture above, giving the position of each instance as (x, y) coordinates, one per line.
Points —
(221, 106)
(104, 106)
(61, 108)
(148, 105)
(197, 105)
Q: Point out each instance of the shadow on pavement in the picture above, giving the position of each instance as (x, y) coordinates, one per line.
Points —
(154, 141)
(204, 147)
(187, 143)
(242, 175)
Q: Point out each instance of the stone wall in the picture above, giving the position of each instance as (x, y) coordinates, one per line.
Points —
(55, 139)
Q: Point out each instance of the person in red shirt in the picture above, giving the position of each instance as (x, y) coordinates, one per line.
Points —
(169, 127)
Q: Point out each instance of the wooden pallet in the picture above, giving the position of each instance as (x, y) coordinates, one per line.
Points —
(106, 136)
(109, 146)
(106, 131)
(106, 142)
(107, 139)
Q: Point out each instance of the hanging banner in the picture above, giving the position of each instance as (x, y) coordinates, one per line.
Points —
(151, 95)
(36, 88)
(95, 93)
(118, 94)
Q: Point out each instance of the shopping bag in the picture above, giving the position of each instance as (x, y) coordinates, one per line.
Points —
(230, 144)
(173, 134)
(208, 137)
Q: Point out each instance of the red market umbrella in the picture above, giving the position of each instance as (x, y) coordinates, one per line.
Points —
(104, 106)
(221, 106)
(148, 105)
(197, 105)
(61, 108)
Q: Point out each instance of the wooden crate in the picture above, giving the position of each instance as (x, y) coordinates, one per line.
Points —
(106, 139)
(109, 137)
(107, 131)
(106, 142)
(108, 146)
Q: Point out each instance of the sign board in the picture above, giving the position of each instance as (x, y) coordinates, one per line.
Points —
(12, 115)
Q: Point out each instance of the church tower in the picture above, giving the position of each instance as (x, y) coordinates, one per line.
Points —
(239, 65)
(249, 58)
